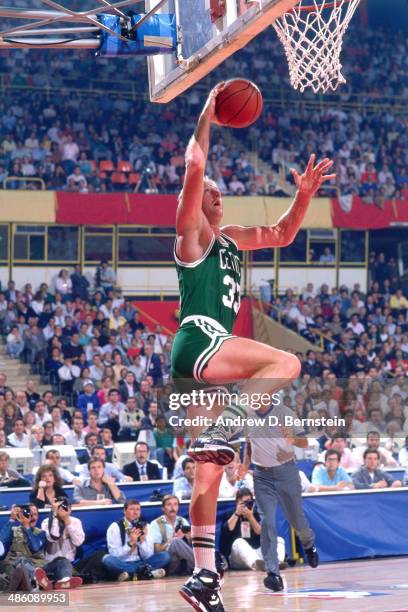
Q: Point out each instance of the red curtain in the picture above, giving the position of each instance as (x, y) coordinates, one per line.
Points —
(353, 213)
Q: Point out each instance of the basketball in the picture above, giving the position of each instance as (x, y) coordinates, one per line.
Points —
(239, 104)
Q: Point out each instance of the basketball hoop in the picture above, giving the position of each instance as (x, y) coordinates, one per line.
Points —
(312, 36)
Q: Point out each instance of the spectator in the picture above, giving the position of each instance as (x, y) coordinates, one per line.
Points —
(332, 477)
(240, 535)
(67, 374)
(232, 481)
(403, 455)
(99, 452)
(373, 443)
(172, 534)
(88, 400)
(9, 477)
(63, 284)
(183, 485)
(164, 437)
(130, 421)
(369, 476)
(131, 549)
(105, 277)
(64, 533)
(141, 468)
(53, 457)
(15, 343)
(76, 437)
(19, 438)
(99, 488)
(47, 487)
(110, 411)
(79, 284)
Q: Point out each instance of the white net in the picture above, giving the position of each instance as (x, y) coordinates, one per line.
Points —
(312, 36)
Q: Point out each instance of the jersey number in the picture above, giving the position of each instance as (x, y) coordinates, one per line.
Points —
(233, 299)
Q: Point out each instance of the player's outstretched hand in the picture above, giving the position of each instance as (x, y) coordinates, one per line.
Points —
(313, 177)
(209, 107)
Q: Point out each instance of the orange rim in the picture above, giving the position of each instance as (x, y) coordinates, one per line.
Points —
(329, 5)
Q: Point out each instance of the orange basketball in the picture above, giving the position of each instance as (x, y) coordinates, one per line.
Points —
(239, 104)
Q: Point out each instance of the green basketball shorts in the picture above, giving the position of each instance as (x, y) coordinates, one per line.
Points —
(198, 339)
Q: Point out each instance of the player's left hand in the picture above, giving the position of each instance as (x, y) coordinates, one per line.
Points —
(313, 177)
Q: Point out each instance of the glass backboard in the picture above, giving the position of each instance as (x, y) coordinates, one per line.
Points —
(209, 31)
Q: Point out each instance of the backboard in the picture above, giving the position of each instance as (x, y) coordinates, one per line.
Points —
(209, 31)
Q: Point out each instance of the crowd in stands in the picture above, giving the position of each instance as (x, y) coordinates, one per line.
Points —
(107, 380)
(82, 143)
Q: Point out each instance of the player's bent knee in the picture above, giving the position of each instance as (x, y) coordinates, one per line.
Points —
(293, 365)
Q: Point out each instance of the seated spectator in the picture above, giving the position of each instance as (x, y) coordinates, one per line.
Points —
(106, 437)
(164, 436)
(53, 458)
(241, 534)
(370, 476)
(403, 455)
(172, 534)
(8, 476)
(332, 477)
(47, 486)
(105, 277)
(131, 547)
(347, 459)
(141, 468)
(233, 479)
(92, 426)
(88, 399)
(15, 343)
(373, 443)
(59, 426)
(128, 387)
(64, 533)
(68, 374)
(111, 470)
(130, 421)
(110, 411)
(99, 488)
(76, 437)
(19, 438)
(183, 485)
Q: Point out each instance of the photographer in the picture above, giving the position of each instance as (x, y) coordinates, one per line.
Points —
(240, 534)
(23, 545)
(64, 533)
(131, 552)
(172, 533)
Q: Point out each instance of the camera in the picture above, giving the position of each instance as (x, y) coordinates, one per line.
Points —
(184, 528)
(138, 524)
(249, 504)
(25, 510)
(63, 503)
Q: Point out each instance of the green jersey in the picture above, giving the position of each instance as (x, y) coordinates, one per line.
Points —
(211, 286)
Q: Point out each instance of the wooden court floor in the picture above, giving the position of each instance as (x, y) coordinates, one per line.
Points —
(379, 585)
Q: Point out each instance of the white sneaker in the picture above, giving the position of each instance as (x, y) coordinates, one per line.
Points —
(123, 577)
(159, 573)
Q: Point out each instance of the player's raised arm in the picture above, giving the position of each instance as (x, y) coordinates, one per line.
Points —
(189, 212)
(283, 232)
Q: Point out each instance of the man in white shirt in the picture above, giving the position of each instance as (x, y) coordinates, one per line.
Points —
(76, 437)
(96, 371)
(171, 533)
(64, 533)
(19, 438)
(41, 413)
(59, 426)
(22, 403)
(110, 411)
(130, 547)
(276, 477)
(67, 374)
(231, 480)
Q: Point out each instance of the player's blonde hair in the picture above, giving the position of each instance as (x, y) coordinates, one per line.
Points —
(206, 181)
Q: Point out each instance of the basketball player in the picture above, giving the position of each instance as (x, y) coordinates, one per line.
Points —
(204, 348)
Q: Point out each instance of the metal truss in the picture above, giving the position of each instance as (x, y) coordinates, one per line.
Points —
(39, 34)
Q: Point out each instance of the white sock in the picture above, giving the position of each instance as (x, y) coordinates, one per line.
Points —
(203, 541)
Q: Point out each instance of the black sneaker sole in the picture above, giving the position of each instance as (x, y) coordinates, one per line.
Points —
(220, 455)
(188, 596)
